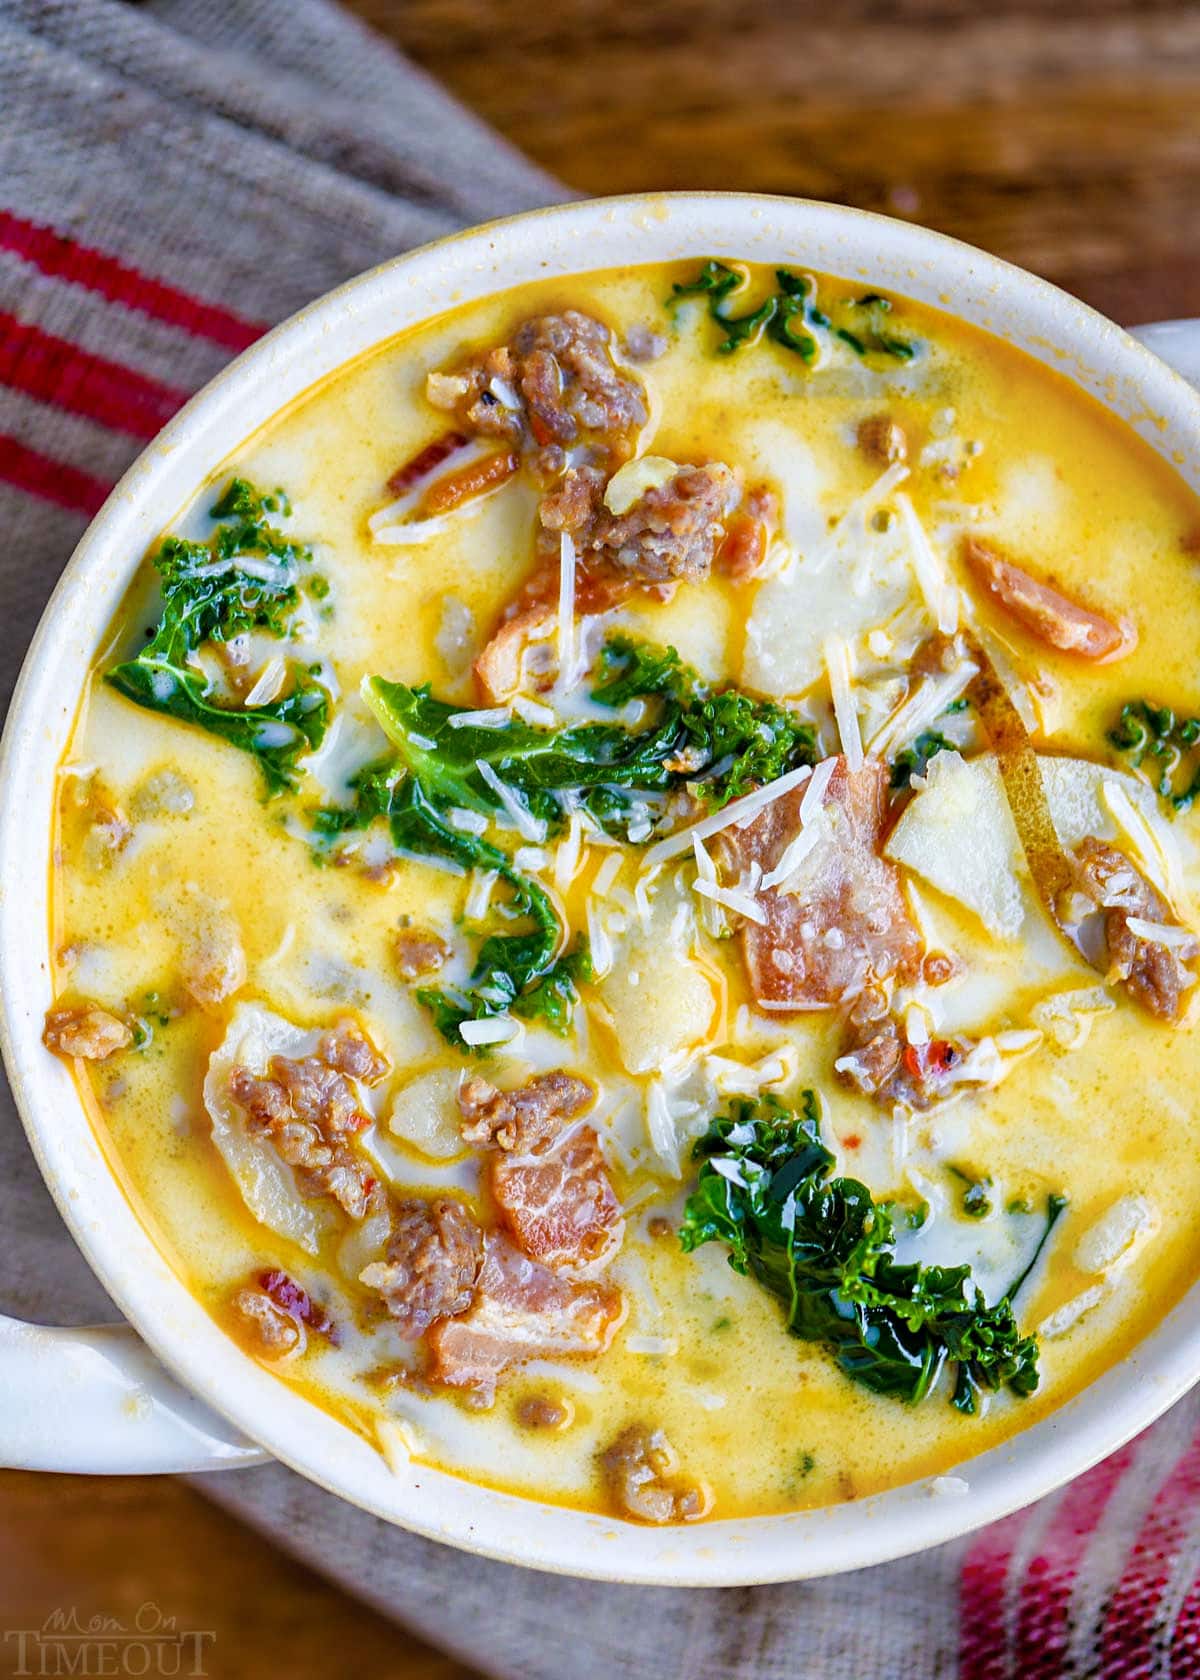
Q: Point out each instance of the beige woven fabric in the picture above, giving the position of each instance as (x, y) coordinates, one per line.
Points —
(173, 178)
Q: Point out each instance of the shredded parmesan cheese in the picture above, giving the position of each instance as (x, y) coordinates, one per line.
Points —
(1139, 833)
(523, 820)
(566, 611)
(934, 581)
(856, 515)
(740, 811)
(495, 1029)
(837, 663)
(1161, 933)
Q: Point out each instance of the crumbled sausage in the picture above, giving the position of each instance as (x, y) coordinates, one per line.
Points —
(85, 1030)
(347, 1049)
(1156, 976)
(878, 1060)
(672, 531)
(543, 1411)
(938, 967)
(643, 343)
(309, 1111)
(882, 439)
(433, 1258)
(640, 1469)
(419, 952)
(555, 385)
(526, 1120)
(264, 1327)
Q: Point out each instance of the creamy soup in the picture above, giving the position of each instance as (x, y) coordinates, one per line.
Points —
(628, 929)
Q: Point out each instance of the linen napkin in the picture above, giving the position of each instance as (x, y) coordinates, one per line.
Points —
(174, 178)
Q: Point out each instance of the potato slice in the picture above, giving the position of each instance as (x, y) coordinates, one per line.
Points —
(958, 833)
(424, 1114)
(267, 1183)
(660, 1000)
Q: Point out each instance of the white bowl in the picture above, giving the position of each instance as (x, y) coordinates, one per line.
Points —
(75, 1425)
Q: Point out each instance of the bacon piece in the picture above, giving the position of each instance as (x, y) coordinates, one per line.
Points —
(552, 1190)
(455, 488)
(532, 618)
(846, 925)
(425, 461)
(1045, 612)
(748, 534)
(290, 1298)
(1156, 976)
(86, 1030)
(560, 1205)
(433, 1258)
(522, 1310)
(640, 1469)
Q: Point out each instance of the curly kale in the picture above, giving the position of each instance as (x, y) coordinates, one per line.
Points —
(517, 973)
(717, 744)
(790, 315)
(826, 1248)
(1172, 744)
(209, 595)
(914, 760)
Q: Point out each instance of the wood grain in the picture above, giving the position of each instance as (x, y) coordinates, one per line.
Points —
(106, 1546)
(1065, 137)
(1062, 134)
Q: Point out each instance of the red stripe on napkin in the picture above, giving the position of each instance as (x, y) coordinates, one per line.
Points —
(983, 1642)
(1043, 1630)
(56, 371)
(1127, 1643)
(63, 258)
(53, 481)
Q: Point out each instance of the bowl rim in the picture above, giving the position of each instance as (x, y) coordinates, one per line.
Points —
(365, 311)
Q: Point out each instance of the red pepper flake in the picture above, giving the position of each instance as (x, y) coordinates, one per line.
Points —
(852, 1142)
(290, 1298)
(425, 461)
(931, 1061)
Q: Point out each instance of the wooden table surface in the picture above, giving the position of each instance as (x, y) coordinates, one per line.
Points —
(1063, 134)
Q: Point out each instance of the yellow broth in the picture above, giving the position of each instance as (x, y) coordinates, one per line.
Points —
(998, 444)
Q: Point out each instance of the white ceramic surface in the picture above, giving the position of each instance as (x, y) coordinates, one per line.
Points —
(95, 1400)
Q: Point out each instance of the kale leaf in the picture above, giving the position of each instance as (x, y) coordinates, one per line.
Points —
(790, 314)
(209, 595)
(914, 760)
(516, 973)
(719, 744)
(1172, 743)
(825, 1247)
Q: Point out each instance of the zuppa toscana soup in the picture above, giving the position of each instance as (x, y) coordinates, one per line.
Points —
(629, 930)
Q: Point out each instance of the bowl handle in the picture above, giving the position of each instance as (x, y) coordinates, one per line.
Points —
(96, 1401)
(1177, 343)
